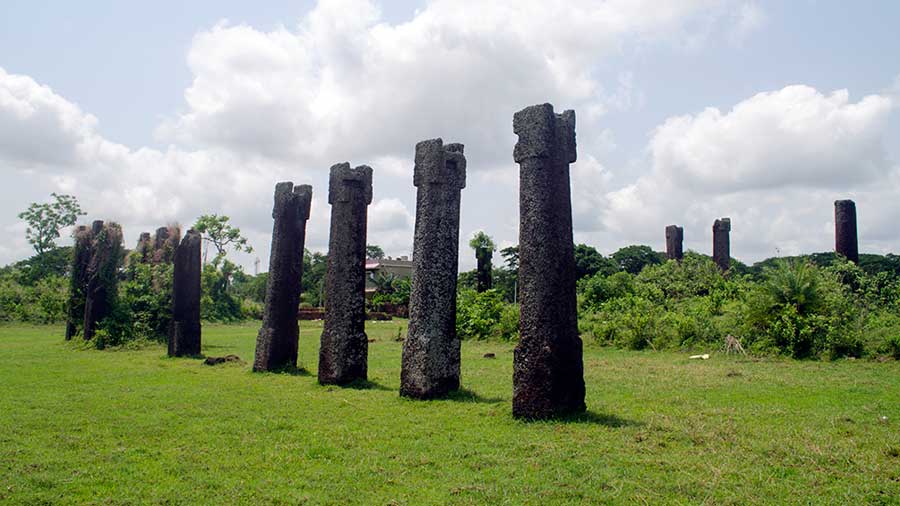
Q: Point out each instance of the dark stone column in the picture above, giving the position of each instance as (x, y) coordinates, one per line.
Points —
(722, 243)
(164, 244)
(277, 341)
(343, 354)
(184, 329)
(674, 241)
(484, 282)
(81, 259)
(144, 248)
(102, 275)
(845, 239)
(548, 373)
(431, 350)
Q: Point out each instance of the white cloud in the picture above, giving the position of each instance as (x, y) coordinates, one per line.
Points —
(750, 18)
(774, 163)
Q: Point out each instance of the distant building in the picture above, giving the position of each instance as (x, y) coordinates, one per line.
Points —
(401, 267)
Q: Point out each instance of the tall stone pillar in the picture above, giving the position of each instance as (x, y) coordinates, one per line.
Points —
(431, 350)
(184, 329)
(343, 354)
(845, 239)
(722, 243)
(81, 259)
(483, 280)
(548, 373)
(674, 242)
(102, 275)
(277, 341)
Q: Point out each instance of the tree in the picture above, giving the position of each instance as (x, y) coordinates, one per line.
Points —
(47, 219)
(374, 251)
(482, 241)
(220, 234)
(633, 258)
(511, 257)
(589, 261)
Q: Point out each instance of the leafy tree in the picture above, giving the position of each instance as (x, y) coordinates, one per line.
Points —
(220, 234)
(482, 241)
(589, 261)
(315, 266)
(374, 251)
(633, 258)
(47, 219)
(511, 257)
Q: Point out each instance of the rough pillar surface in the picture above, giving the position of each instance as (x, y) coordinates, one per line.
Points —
(722, 243)
(343, 354)
(845, 239)
(431, 362)
(483, 281)
(184, 329)
(81, 259)
(548, 373)
(277, 341)
(102, 275)
(164, 244)
(144, 248)
(674, 242)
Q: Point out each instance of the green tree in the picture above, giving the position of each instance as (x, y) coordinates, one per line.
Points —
(374, 251)
(633, 258)
(482, 241)
(47, 219)
(220, 234)
(511, 257)
(589, 261)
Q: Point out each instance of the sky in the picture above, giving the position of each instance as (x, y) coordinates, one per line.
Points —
(157, 112)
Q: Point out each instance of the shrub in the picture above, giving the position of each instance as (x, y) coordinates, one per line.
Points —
(484, 315)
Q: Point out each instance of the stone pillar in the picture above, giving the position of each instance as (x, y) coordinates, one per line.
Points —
(548, 373)
(674, 241)
(722, 243)
(102, 275)
(343, 354)
(144, 248)
(431, 350)
(184, 329)
(81, 259)
(845, 239)
(277, 341)
(484, 282)
(164, 244)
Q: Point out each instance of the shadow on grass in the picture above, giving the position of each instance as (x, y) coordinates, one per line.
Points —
(593, 418)
(365, 385)
(290, 371)
(466, 395)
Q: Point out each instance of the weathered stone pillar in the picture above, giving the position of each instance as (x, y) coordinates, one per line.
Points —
(845, 239)
(277, 341)
(184, 329)
(431, 350)
(548, 373)
(164, 244)
(81, 259)
(674, 241)
(343, 354)
(144, 248)
(722, 243)
(102, 275)
(483, 281)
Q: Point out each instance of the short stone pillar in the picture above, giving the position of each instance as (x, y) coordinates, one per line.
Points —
(277, 340)
(102, 275)
(184, 329)
(548, 372)
(431, 350)
(81, 259)
(483, 279)
(674, 242)
(343, 353)
(845, 239)
(722, 243)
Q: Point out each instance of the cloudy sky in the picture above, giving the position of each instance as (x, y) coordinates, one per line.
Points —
(157, 112)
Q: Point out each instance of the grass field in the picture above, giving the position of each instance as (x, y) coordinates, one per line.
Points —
(135, 427)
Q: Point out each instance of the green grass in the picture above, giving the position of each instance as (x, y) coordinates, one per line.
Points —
(135, 427)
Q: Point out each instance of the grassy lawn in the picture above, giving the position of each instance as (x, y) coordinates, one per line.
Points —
(135, 427)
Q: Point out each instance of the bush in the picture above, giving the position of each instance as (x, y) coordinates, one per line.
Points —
(484, 315)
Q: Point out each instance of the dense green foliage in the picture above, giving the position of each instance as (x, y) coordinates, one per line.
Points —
(45, 221)
(792, 307)
(485, 315)
(134, 427)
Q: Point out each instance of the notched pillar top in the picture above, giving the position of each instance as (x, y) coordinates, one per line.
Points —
(437, 163)
(544, 134)
(343, 177)
(722, 225)
(286, 191)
